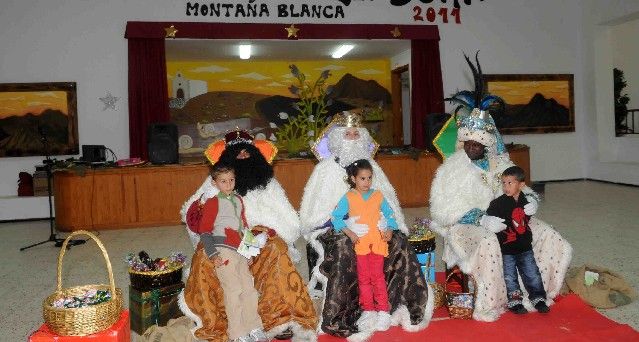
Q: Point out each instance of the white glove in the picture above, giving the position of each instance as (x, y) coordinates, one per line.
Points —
(530, 209)
(210, 191)
(382, 224)
(492, 223)
(358, 228)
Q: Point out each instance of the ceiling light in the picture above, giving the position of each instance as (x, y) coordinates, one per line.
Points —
(342, 50)
(245, 51)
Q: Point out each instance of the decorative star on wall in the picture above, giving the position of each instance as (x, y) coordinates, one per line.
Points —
(396, 32)
(292, 31)
(109, 101)
(170, 31)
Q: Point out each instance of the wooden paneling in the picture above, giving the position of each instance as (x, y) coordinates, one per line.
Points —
(124, 197)
(153, 195)
(410, 177)
(521, 157)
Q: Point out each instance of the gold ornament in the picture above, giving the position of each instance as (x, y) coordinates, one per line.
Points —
(349, 119)
(396, 32)
(170, 31)
(292, 31)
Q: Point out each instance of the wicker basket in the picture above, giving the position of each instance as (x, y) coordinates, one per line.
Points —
(423, 245)
(150, 280)
(461, 304)
(439, 294)
(86, 320)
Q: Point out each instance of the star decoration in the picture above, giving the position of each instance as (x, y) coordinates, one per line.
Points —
(396, 32)
(109, 101)
(170, 31)
(292, 31)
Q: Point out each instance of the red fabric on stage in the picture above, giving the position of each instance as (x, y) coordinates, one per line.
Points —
(427, 89)
(148, 97)
(570, 319)
(118, 332)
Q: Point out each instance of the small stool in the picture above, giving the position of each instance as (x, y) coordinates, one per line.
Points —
(118, 332)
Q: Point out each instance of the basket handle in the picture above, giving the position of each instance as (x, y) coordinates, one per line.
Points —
(104, 254)
(471, 278)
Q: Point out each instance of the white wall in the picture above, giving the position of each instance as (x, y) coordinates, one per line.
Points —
(82, 41)
(606, 157)
(625, 56)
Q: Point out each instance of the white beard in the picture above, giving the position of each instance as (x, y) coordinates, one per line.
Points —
(349, 151)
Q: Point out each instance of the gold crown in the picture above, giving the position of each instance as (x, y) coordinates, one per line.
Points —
(349, 119)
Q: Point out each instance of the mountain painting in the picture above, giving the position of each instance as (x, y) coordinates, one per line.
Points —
(208, 98)
(38, 119)
(533, 103)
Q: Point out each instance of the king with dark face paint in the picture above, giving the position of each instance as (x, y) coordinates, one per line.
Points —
(474, 150)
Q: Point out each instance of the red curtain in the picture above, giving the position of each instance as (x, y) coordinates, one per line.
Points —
(427, 95)
(148, 98)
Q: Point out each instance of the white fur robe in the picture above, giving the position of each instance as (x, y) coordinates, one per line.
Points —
(460, 186)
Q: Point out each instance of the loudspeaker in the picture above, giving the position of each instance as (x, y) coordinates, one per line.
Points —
(163, 143)
(93, 153)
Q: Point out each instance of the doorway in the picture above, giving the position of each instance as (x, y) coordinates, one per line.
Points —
(400, 92)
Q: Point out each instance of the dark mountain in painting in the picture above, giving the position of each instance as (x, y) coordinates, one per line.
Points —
(540, 111)
(272, 106)
(220, 106)
(352, 87)
(21, 135)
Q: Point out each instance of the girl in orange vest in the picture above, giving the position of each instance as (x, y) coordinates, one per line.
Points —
(369, 226)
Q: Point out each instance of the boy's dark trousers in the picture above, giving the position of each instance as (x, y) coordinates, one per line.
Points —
(530, 276)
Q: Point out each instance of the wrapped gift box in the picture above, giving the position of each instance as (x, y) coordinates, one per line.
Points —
(427, 260)
(118, 332)
(154, 307)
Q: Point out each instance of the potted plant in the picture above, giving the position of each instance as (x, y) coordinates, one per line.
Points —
(301, 130)
(621, 100)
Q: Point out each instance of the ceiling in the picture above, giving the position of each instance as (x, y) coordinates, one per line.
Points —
(220, 49)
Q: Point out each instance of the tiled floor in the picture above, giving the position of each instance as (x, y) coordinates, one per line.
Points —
(600, 220)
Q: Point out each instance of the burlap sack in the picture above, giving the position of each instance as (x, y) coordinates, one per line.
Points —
(611, 290)
(176, 330)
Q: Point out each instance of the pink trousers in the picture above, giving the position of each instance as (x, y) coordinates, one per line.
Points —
(373, 295)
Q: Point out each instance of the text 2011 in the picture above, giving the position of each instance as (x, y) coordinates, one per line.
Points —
(431, 14)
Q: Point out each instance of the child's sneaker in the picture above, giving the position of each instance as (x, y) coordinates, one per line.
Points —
(541, 307)
(383, 321)
(258, 335)
(367, 321)
(518, 309)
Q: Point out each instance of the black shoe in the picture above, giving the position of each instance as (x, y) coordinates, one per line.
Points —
(286, 335)
(542, 307)
(518, 309)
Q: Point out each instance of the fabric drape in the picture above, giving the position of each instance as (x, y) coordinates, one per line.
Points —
(148, 97)
(427, 94)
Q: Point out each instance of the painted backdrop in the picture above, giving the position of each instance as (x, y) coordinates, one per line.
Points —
(209, 97)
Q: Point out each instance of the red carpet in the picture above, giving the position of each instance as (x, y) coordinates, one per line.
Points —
(570, 319)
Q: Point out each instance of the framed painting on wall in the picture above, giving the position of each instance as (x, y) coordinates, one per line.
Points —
(38, 119)
(536, 103)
